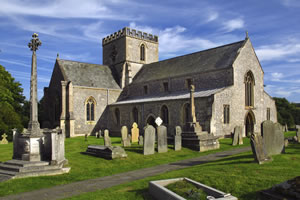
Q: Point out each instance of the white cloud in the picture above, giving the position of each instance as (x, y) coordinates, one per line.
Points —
(233, 24)
(212, 16)
(276, 75)
(173, 41)
(291, 3)
(13, 62)
(91, 9)
(287, 51)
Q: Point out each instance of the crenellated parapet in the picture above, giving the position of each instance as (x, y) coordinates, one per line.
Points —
(130, 32)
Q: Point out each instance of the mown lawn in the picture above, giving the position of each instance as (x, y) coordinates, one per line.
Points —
(237, 175)
(85, 167)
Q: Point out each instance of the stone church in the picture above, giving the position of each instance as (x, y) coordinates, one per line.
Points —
(132, 85)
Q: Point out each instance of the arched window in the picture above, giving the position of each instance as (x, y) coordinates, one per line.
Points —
(135, 114)
(249, 89)
(90, 109)
(142, 52)
(164, 114)
(117, 115)
(186, 113)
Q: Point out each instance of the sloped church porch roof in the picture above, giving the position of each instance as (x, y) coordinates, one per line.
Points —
(88, 75)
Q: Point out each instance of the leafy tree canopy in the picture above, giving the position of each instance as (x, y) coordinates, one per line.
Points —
(287, 113)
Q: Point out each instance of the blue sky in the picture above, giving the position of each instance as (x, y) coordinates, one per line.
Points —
(75, 28)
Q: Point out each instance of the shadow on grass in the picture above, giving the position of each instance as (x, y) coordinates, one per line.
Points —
(135, 149)
(217, 162)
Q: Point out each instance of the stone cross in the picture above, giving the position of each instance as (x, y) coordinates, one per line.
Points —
(33, 125)
(192, 103)
(4, 140)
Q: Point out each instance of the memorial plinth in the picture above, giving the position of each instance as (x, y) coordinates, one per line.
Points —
(193, 136)
(36, 151)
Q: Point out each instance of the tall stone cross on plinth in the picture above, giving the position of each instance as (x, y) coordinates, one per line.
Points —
(33, 125)
(194, 126)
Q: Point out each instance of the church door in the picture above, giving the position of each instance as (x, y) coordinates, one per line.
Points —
(249, 123)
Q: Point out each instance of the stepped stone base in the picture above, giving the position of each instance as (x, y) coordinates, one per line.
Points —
(21, 169)
(200, 141)
(106, 152)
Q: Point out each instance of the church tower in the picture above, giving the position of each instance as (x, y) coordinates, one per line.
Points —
(126, 51)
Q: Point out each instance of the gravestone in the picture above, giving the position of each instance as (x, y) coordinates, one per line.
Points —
(125, 137)
(162, 142)
(286, 142)
(177, 138)
(141, 140)
(298, 132)
(4, 140)
(286, 128)
(149, 140)
(258, 150)
(237, 136)
(100, 134)
(107, 141)
(273, 138)
(135, 133)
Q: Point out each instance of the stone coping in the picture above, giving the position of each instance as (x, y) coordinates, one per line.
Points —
(160, 192)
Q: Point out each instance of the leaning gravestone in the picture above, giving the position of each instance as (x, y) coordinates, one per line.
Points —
(273, 138)
(125, 137)
(141, 140)
(107, 141)
(4, 140)
(135, 133)
(237, 136)
(149, 140)
(258, 150)
(177, 138)
(298, 132)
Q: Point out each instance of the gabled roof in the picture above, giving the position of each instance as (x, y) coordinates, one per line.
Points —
(88, 75)
(169, 97)
(199, 62)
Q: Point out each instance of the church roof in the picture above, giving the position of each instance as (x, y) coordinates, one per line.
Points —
(199, 62)
(88, 75)
(171, 96)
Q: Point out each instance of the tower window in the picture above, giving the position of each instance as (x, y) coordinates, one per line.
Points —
(188, 83)
(226, 114)
(249, 89)
(166, 86)
(145, 89)
(142, 52)
(90, 109)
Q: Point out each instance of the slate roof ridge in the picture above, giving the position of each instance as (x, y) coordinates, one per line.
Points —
(222, 46)
(81, 62)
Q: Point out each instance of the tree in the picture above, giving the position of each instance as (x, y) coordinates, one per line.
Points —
(11, 103)
(287, 113)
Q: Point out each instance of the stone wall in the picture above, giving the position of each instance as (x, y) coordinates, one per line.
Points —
(103, 97)
(147, 109)
(235, 96)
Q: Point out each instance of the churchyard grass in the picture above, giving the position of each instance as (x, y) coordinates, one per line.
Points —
(290, 134)
(85, 167)
(238, 175)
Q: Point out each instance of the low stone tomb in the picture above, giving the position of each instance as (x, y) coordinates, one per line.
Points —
(273, 138)
(135, 132)
(125, 137)
(258, 150)
(177, 138)
(4, 140)
(107, 141)
(110, 152)
(159, 191)
(237, 136)
(149, 140)
(141, 140)
(288, 190)
(162, 144)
